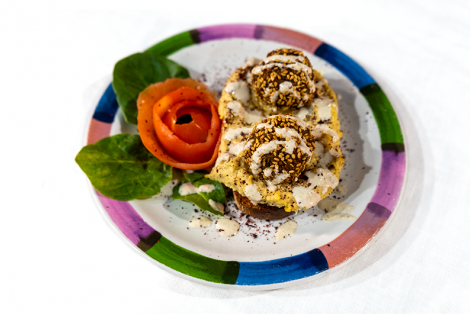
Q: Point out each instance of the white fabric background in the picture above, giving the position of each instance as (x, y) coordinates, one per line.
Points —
(58, 254)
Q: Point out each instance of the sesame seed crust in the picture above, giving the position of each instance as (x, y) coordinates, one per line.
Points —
(292, 164)
(267, 84)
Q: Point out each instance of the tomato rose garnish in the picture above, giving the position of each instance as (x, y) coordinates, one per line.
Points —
(179, 123)
(189, 124)
(198, 147)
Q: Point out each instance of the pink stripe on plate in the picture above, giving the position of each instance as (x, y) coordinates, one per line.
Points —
(97, 131)
(289, 37)
(226, 31)
(356, 237)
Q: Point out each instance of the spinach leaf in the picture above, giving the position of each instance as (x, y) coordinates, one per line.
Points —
(133, 74)
(201, 199)
(121, 168)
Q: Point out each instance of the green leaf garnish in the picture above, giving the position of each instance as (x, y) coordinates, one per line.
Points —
(121, 168)
(133, 74)
(201, 199)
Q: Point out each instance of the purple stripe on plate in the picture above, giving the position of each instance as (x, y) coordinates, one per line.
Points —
(126, 219)
(390, 180)
(378, 210)
(226, 31)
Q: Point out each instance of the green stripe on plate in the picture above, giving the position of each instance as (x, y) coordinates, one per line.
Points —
(175, 43)
(193, 264)
(389, 127)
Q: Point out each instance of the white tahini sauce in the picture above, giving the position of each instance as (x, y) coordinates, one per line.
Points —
(217, 206)
(286, 229)
(305, 112)
(239, 90)
(283, 58)
(166, 191)
(335, 151)
(274, 96)
(200, 222)
(227, 227)
(253, 116)
(235, 149)
(206, 188)
(250, 63)
(341, 189)
(297, 66)
(278, 178)
(249, 78)
(236, 107)
(334, 209)
(222, 157)
(295, 63)
(323, 128)
(234, 133)
(323, 178)
(324, 107)
(319, 149)
(267, 172)
(286, 87)
(253, 61)
(250, 116)
(272, 185)
(251, 191)
(325, 157)
(189, 188)
(305, 197)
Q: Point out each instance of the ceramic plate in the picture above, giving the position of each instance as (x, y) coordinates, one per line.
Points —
(371, 181)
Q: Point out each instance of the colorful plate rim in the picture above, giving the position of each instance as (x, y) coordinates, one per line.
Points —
(284, 270)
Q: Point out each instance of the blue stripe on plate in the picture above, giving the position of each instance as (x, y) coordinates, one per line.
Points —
(345, 64)
(107, 106)
(283, 269)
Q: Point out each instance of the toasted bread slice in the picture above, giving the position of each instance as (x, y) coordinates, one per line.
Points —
(262, 211)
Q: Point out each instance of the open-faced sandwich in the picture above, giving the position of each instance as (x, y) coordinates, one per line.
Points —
(273, 137)
(280, 148)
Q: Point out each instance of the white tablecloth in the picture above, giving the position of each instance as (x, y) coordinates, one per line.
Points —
(58, 254)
